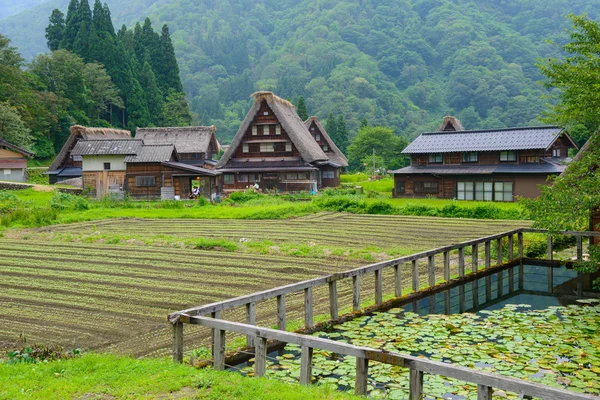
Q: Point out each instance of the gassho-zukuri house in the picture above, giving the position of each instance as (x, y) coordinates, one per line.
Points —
(484, 165)
(275, 149)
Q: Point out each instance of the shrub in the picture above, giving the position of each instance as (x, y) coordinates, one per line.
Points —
(242, 197)
(341, 204)
(381, 207)
(210, 244)
(201, 202)
(40, 353)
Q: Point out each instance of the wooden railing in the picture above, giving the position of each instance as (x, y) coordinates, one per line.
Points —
(257, 337)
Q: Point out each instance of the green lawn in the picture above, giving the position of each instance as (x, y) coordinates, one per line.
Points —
(105, 376)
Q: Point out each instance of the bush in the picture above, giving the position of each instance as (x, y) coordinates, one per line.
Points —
(210, 244)
(243, 197)
(201, 202)
(67, 201)
(381, 207)
(40, 353)
(341, 204)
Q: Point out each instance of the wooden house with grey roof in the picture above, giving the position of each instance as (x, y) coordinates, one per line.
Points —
(195, 145)
(484, 165)
(274, 149)
(65, 165)
(13, 162)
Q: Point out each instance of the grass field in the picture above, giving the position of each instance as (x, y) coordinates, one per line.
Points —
(101, 296)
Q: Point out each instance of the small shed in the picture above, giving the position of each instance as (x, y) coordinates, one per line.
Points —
(13, 162)
(103, 165)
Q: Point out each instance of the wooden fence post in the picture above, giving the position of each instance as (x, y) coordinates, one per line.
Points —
(520, 243)
(579, 259)
(378, 286)
(214, 332)
(178, 342)
(511, 244)
(219, 351)
(474, 258)
(260, 356)
(488, 254)
(356, 293)
(461, 261)
(499, 251)
(250, 320)
(306, 357)
(415, 275)
(281, 313)
(447, 266)
(397, 281)
(431, 270)
(415, 385)
(484, 392)
(308, 307)
(333, 300)
(549, 248)
(362, 375)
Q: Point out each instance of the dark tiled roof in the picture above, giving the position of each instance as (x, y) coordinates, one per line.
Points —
(187, 139)
(151, 153)
(544, 168)
(71, 171)
(485, 140)
(106, 147)
(192, 168)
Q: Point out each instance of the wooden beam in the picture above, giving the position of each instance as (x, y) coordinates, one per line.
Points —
(549, 248)
(579, 249)
(306, 359)
(178, 342)
(415, 275)
(461, 262)
(397, 281)
(362, 376)
(281, 313)
(356, 293)
(333, 300)
(510, 246)
(260, 356)
(378, 287)
(415, 385)
(250, 320)
(474, 258)
(499, 251)
(447, 266)
(431, 270)
(219, 354)
(308, 307)
(214, 333)
(520, 244)
(484, 392)
(488, 254)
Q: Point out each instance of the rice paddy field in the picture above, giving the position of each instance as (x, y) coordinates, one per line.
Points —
(109, 285)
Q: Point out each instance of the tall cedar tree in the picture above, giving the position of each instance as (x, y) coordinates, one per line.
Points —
(71, 26)
(342, 134)
(331, 128)
(54, 31)
(154, 97)
(301, 109)
(169, 71)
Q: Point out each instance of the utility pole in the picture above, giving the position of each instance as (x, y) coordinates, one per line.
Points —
(373, 162)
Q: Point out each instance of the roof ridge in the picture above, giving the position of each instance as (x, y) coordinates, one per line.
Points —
(492, 130)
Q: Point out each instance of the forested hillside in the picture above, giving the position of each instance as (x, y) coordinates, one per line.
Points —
(402, 64)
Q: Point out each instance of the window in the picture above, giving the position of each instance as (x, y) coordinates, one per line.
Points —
(228, 179)
(555, 152)
(267, 130)
(77, 158)
(503, 191)
(465, 190)
(267, 148)
(399, 187)
(529, 159)
(426, 187)
(325, 148)
(484, 191)
(254, 130)
(317, 136)
(242, 178)
(279, 147)
(291, 176)
(328, 174)
(508, 156)
(470, 156)
(288, 146)
(435, 158)
(144, 181)
(106, 165)
(266, 113)
(7, 171)
(254, 177)
(245, 148)
(278, 129)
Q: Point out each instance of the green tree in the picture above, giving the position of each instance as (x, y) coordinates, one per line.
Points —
(154, 97)
(301, 109)
(331, 128)
(364, 123)
(54, 31)
(176, 110)
(577, 77)
(12, 128)
(383, 142)
(342, 135)
(168, 71)
(101, 92)
(71, 25)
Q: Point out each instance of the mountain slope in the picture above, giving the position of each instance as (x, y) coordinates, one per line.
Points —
(398, 63)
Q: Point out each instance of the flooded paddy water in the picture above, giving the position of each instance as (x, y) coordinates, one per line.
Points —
(526, 323)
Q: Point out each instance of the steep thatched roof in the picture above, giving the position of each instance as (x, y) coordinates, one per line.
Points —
(335, 154)
(81, 132)
(4, 143)
(187, 139)
(451, 123)
(290, 121)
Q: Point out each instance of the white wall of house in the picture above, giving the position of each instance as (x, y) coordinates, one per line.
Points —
(96, 163)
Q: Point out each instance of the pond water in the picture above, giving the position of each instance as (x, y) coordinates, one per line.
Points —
(531, 328)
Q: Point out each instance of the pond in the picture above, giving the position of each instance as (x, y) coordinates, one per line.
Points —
(526, 325)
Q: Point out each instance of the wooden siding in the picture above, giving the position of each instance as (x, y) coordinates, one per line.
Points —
(330, 182)
(98, 182)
